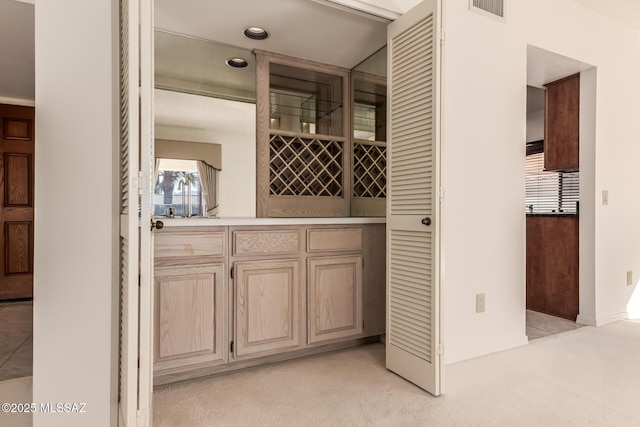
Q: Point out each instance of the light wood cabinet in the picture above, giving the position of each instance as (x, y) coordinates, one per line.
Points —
(190, 316)
(277, 293)
(334, 298)
(266, 306)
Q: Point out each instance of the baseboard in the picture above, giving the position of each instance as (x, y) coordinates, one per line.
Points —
(455, 358)
(601, 320)
(18, 101)
(586, 320)
(219, 367)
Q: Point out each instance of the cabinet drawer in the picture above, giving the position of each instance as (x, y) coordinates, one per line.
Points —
(189, 244)
(267, 242)
(338, 239)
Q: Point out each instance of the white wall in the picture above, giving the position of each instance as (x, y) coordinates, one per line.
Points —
(185, 117)
(75, 277)
(535, 126)
(483, 163)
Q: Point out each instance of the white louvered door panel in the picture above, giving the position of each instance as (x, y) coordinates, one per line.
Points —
(129, 240)
(147, 167)
(134, 397)
(412, 206)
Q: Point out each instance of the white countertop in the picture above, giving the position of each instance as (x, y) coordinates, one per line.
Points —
(209, 222)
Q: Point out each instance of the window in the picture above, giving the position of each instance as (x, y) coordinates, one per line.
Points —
(174, 176)
(549, 191)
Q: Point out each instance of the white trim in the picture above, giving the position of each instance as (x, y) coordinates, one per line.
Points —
(362, 7)
(18, 101)
(456, 358)
(601, 320)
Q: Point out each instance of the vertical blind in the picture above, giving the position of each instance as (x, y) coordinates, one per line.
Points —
(548, 191)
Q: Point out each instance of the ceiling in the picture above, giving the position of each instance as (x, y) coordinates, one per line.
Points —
(301, 28)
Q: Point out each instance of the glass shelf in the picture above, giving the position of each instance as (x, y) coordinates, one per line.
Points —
(298, 112)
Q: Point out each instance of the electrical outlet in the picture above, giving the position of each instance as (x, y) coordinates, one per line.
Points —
(629, 278)
(479, 303)
(605, 197)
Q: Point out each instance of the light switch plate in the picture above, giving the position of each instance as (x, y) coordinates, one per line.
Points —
(605, 197)
(480, 303)
(629, 278)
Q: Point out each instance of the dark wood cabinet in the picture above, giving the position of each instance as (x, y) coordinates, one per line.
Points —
(552, 265)
(562, 125)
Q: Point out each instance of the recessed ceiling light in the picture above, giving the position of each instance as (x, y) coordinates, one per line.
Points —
(236, 62)
(256, 33)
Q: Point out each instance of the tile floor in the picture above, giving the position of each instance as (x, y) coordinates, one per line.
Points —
(541, 325)
(16, 340)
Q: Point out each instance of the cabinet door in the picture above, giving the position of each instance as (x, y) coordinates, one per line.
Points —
(267, 306)
(562, 125)
(335, 298)
(190, 316)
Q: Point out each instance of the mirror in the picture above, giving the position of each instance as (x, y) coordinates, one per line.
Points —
(369, 95)
(199, 99)
(186, 179)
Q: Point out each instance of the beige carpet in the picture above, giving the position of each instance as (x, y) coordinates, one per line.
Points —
(15, 391)
(586, 377)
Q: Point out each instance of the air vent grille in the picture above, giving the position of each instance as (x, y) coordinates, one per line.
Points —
(494, 8)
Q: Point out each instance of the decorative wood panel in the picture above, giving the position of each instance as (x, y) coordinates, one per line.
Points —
(190, 316)
(341, 239)
(562, 124)
(266, 306)
(189, 244)
(17, 129)
(369, 170)
(553, 265)
(335, 298)
(266, 242)
(305, 166)
(18, 250)
(18, 183)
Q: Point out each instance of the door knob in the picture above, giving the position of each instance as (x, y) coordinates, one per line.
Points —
(426, 221)
(157, 224)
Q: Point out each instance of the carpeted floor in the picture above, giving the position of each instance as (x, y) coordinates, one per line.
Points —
(586, 377)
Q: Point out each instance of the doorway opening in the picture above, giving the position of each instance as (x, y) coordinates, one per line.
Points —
(17, 149)
(560, 148)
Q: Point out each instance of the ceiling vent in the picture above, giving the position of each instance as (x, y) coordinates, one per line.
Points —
(491, 8)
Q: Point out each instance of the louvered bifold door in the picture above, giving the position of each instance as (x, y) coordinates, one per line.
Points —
(134, 383)
(412, 205)
(129, 160)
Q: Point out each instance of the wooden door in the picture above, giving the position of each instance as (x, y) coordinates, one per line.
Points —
(413, 301)
(190, 316)
(335, 298)
(267, 306)
(17, 146)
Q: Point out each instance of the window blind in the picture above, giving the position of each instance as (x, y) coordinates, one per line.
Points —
(550, 192)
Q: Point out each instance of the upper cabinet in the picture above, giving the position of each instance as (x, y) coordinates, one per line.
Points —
(562, 125)
(302, 138)
(321, 139)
